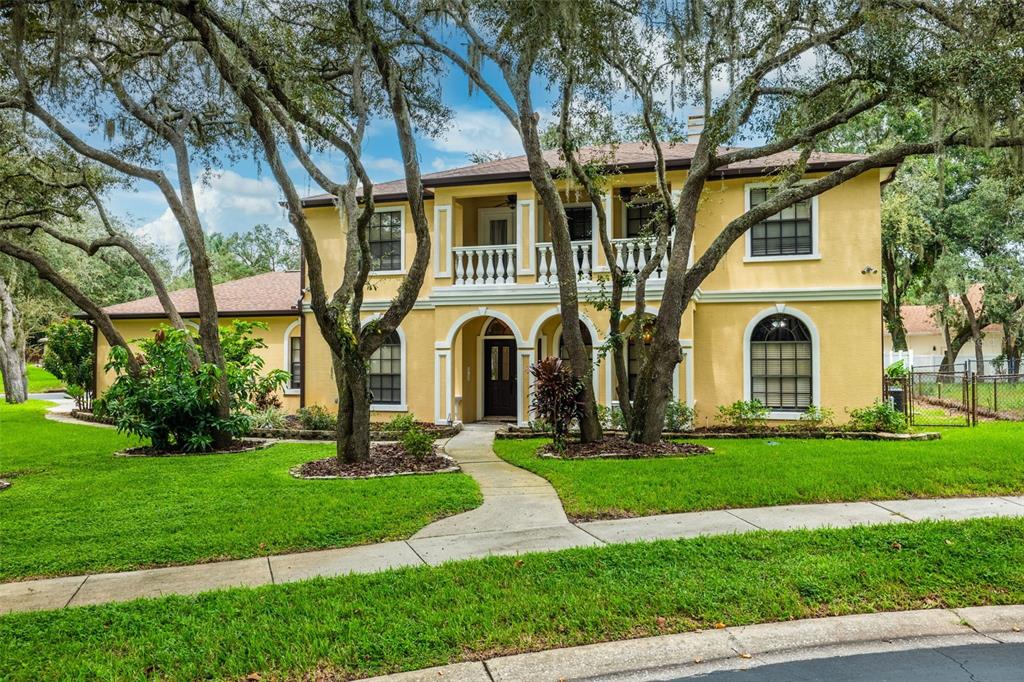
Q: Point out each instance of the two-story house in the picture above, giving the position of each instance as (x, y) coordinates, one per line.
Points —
(791, 317)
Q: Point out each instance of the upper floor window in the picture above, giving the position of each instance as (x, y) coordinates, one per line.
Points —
(386, 372)
(638, 217)
(386, 240)
(581, 222)
(788, 233)
(781, 363)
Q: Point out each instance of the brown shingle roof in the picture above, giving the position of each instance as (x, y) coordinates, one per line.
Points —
(628, 156)
(267, 293)
(923, 319)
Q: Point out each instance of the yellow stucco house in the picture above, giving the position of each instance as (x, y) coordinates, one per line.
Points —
(792, 316)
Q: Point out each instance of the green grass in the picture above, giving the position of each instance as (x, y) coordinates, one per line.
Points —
(413, 618)
(985, 460)
(75, 508)
(41, 381)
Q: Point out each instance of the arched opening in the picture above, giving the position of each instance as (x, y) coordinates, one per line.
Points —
(781, 372)
(563, 352)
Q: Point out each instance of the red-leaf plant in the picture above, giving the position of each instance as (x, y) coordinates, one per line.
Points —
(557, 396)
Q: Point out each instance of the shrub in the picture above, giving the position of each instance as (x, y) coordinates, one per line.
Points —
(897, 370)
(678, 416)
(540, 426)
(269, 418)
(317, 418)
(745, 415)
(557, 396)
(69, 357)
(814, 418)
(174, 404)
(611, 417)
(418, 442)
(880, 416)
(401, 424)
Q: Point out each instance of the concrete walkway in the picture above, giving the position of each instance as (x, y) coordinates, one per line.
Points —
(692, 654)
(521, 513)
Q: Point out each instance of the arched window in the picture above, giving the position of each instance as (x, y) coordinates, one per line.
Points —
(386, 372)
(498, 328)
(563, 352)
(781, 363)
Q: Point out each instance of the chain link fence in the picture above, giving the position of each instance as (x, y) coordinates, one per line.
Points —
(955, 397)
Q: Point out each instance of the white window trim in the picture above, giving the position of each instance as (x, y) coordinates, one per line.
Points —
(402, 405)
(288, 390)
(401, 230)
(783, 309)
(815, 253)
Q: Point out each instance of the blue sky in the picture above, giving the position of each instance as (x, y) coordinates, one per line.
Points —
(239, 195)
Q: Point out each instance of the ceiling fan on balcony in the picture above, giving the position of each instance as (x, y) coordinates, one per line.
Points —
(509, 203)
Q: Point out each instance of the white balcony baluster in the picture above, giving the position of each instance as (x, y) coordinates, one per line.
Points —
(481, 265)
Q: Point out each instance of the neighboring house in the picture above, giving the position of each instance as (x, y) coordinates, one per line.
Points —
(926, 344)
(271, 298)
(792, 315)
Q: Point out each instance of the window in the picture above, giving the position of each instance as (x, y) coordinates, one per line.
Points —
(386, 372)
(581, 222)
(787, 233)
(386, 240)
(639, 217)
(295, 364)
(781, 369)
(499, 232)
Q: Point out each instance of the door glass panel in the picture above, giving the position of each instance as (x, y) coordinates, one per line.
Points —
(504, 363)
(494, 362)
(499, 232)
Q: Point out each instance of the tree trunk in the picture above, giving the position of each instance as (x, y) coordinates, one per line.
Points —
(972, 319)
(892, 304)
(568, 293)
(12, 349)
(353, 432)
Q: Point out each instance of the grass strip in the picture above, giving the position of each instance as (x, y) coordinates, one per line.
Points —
(407, 619)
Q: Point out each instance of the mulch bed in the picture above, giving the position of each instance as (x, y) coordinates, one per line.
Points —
(620, 448)
(4, 485)
(386, 459)
(235, 447)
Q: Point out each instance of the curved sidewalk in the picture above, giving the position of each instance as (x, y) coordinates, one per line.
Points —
(521, 513)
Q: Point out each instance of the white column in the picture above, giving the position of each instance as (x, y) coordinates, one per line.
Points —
(525, 359)
(442, 240)
(526, 235)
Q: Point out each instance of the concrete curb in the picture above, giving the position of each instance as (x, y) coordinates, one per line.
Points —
(697, 653)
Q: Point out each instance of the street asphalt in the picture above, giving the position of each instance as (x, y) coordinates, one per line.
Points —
(975, 663)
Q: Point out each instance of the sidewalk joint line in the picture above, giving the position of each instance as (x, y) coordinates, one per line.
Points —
(77, 589)
(969, 624)
(271, 569)
(893, 511)
(731, 513)
(1012, 501)
(409, 545)
(603, 542)
(487, 670)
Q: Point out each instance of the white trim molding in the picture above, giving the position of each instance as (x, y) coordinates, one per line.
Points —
(401, 242)
(524, 251)
(482, 311)
(442, 247)
(287, 364)
(783, 309)
(873, 293)
(815, 253)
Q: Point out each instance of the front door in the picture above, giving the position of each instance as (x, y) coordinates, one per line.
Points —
(499, 378)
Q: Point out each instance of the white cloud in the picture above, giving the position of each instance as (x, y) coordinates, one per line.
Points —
(226, 202)
(382, 169)
(474, 130)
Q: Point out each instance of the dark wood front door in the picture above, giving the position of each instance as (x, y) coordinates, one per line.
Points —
(499, 378)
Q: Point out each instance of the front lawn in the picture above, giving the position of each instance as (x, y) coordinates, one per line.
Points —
(985, 460)
(41, 381)
(75, 508)
(413, 618)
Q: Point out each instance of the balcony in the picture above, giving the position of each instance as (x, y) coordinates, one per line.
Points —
(631, 255)
(482, 265)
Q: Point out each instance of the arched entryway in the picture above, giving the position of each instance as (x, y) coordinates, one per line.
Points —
(480, 370)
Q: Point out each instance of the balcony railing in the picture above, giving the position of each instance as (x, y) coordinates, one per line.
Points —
(633, 253)
(478, 265)
(547, 267)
